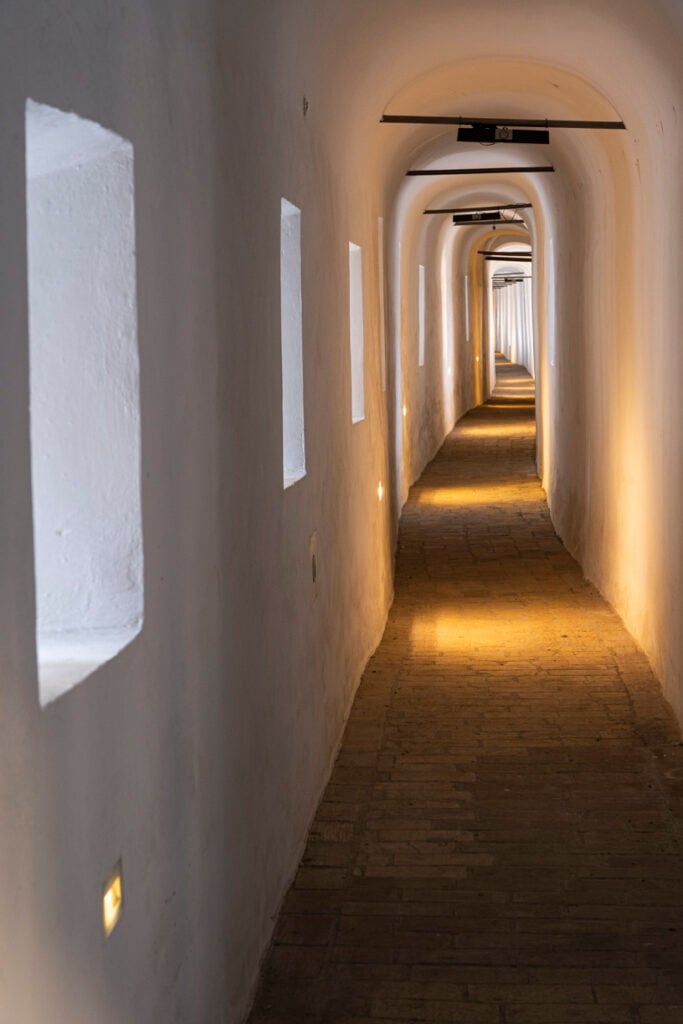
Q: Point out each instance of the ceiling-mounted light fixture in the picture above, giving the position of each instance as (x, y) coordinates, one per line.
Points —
(492, 208)
(492, 133)
(485, 218)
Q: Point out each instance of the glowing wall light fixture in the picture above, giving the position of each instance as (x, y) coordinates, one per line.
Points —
(405, 411)
(380, 490)
(112, 900)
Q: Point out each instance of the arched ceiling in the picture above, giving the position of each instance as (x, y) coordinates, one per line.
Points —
(495, 57)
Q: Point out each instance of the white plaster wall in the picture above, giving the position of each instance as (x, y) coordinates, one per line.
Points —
(199, 754)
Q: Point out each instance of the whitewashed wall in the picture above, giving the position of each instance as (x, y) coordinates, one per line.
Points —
(199, 753)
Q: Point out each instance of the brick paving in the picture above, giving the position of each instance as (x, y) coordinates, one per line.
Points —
(500, 841)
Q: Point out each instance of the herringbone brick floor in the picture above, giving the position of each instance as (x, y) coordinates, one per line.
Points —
(500, 842)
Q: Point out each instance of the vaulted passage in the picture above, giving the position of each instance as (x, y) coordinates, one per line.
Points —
(500, 839)
(305, 306)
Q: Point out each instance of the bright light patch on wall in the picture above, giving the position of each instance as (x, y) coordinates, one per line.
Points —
(380, 490)
(112, 900)
(382, 303)
(405, 411)
(356, 332)
(291, 337)
(421, 315)
(84, 395)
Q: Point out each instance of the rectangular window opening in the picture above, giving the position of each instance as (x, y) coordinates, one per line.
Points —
(382, 304)
(291, 321)
(356, 332)
(84, 395)
(421, 316)
(467, 308)
(552, 325)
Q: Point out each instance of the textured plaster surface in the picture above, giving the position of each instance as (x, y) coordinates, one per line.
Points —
(198, 755)
(84, 395)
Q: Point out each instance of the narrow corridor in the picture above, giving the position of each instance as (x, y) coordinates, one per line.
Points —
(500, 840)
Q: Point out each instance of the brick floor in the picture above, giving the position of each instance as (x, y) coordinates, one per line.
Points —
(500, 842)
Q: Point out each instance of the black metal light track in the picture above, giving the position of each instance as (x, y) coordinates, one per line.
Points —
(509, 259)
(493, 208)
(481, 170)
(494, 252)
(500, 122)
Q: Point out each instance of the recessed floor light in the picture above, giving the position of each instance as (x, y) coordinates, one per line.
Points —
(112, 900)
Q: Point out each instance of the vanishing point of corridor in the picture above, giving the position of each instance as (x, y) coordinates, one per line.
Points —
(500, 840)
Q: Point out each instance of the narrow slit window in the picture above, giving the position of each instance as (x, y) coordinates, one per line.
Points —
(84, 395)
(356, 332)
(552, 326)
(467, 307)
(421, 315)
(293, 438)
(382, 304)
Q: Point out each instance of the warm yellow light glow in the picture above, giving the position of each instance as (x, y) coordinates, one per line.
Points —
(405, 410)
(515, 383)
(510, 406)
(516, 429)
(380, 490)
(112, 900)
(477, 358)
(517, 386)
(515, 395)
(501, 633)
(480, 494)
